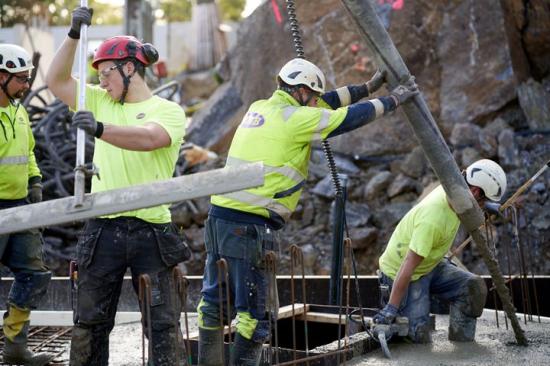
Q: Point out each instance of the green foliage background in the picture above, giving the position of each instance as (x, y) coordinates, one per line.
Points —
(22, 11)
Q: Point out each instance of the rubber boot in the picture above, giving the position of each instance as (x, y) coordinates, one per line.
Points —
(16, 329)
(462, 328)
(210, 343)
(245, 352)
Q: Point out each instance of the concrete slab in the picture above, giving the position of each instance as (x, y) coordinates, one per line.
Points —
(493, 346)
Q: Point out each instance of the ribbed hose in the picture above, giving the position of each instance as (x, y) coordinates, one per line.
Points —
(295, 28)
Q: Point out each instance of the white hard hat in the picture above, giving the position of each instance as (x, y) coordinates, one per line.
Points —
(489, 176)
(14, 59)
(301, 72)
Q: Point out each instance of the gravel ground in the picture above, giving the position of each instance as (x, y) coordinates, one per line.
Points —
(493, 346)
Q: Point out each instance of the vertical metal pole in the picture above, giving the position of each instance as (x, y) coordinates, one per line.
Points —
(79, 176)
(339, 215)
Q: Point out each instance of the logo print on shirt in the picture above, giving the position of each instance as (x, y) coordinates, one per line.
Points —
(140, 115)
(252, 119)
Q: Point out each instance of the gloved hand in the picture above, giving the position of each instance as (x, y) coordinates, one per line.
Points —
(86, 121)
(378, 79)
(402, 93)
(81, 15)
(386, 315)
(35, 189)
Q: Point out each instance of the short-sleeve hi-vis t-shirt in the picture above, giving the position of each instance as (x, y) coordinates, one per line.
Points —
(428, 229)
(119, 168)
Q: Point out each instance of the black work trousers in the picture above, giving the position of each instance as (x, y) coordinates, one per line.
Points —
(106, 248)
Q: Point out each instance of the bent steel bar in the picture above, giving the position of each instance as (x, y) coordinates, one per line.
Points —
(186, 187)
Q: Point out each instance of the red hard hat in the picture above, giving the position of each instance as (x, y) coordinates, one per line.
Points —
(121, 47)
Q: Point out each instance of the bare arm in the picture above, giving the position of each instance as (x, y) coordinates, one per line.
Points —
(403, 278)
(59, 78)
(150, 136)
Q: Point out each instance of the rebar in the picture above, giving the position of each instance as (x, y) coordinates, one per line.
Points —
(145, 300)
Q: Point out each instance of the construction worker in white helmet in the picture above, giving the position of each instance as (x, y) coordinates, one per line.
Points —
(20, 183)
(413, 269)
(242, 225)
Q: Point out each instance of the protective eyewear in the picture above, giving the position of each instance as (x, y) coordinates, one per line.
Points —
(104, 74)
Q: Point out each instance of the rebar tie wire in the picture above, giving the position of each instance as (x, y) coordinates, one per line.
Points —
(145, 299)
(272, 304)
(297, 258)
(223, 277)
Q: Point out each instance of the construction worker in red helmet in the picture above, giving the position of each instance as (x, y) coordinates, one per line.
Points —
(137, 141)
(20, 182)
(414, 271)
(242, 226)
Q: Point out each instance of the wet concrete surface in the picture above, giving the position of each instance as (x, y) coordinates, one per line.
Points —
(493, 346)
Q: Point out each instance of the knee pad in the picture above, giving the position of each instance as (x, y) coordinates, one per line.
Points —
(476, 292)
(208, 315)
(256, 330)
(29, 288)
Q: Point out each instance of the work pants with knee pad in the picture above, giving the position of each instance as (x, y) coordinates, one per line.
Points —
(463, 291)
(243, 246)
(22, 253)
(106, 248)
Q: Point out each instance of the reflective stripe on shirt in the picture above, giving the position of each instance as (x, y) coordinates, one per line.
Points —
(323, 123)
(283, 170)
(14, 160)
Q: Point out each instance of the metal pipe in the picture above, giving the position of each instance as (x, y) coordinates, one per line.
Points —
(436, 150)
(79, 173)
(338, 229)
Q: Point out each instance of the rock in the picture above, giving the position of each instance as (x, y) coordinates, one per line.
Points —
(363, 237)
(465, 135)
(485, 82)
(533, 99)
(357, 214)
(390, 214)
(324, 188)
(488, 137)
(415, 163)
(213, 125)
(377, 184)
(468, 156)
(528, 24)
(507, 149)
(197, 85)
(401, 184)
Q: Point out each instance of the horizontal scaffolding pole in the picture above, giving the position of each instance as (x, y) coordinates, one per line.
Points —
(60, 211)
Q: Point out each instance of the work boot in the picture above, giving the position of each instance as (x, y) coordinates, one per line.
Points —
(210, 343)
(245, 352)
(16, 331)
(462, 328)
(19, 354)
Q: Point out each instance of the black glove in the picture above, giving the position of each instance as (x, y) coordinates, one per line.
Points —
(86, 121)
(377, 80)
(386, 315)
(80, 15)
(35, 190)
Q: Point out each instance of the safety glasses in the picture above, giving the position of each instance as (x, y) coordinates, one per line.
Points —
(104, 74)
